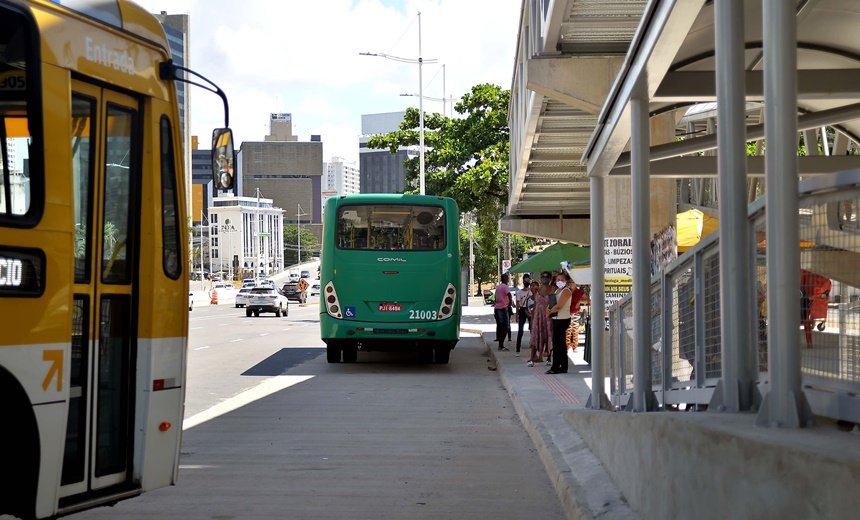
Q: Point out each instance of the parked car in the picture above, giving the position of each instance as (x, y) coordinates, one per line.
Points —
(291, 291)
(242, 296)
(190, 301)
(266, 299)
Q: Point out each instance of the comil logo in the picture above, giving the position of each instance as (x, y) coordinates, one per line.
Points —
(387, 259)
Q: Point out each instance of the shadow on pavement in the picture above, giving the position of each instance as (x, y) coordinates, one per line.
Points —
(283, 360)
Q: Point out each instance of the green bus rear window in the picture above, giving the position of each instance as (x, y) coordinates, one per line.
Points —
(391, 228)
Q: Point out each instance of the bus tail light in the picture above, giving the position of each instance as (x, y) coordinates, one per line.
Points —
(332, 304)
(449, 299)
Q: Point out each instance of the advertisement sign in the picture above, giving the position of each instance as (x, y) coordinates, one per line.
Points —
(618, 268)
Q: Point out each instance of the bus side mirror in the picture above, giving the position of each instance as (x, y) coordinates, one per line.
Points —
(223, 159)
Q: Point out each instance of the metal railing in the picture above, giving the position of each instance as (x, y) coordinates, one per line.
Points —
(686, 345)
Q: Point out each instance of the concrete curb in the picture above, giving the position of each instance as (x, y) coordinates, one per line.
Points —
(589, 492)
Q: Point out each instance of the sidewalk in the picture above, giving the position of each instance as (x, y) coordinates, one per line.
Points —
(584, 488)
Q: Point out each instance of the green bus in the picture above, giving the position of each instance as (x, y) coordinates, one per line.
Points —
(390, 276)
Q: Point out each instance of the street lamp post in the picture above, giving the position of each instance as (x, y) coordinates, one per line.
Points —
(420, 61)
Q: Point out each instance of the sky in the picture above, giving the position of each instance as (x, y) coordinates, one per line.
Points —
(302, 57)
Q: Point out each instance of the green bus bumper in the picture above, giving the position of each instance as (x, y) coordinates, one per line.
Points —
(383, 332)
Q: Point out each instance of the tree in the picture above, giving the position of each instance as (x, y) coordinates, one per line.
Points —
(310, 245)
(466, 158)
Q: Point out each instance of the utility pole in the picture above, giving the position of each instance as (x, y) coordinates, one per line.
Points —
(471, 257)
(299, 232)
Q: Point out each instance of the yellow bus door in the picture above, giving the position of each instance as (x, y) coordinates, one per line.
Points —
(106, 154)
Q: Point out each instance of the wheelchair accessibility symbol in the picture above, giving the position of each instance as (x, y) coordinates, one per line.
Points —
(349, 312)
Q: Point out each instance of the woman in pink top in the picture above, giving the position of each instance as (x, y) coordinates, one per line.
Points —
(501, 312)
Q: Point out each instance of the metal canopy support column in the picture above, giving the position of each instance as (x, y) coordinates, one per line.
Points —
(597, 400)
(736, 388)
(640, 141)
(785, 405)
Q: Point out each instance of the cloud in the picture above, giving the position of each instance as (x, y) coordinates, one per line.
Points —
(303, 57)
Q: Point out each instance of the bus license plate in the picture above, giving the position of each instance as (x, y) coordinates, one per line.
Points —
(390, 307)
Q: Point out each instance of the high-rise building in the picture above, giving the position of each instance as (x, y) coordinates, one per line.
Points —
(287, 171)
(177, 28)
(340, 177)
(382, 171)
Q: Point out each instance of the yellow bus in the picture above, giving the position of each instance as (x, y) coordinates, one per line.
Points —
(93, 255)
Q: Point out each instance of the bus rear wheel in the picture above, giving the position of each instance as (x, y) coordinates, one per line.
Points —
(350, 353)
(441, 354)
(332, 352)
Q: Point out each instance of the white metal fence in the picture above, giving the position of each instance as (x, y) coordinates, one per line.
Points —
(685, 310)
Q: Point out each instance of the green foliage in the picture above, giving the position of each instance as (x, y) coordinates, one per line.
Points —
(466, 158)
(310, 245)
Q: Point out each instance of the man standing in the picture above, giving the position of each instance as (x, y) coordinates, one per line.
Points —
(501, 310)
(523, 311)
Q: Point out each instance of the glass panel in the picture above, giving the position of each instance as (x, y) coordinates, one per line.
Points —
(112, 419)
(170, 208)
(117, 240)
(76, 426)
(391, 228)
(15, 138)
(83, 113)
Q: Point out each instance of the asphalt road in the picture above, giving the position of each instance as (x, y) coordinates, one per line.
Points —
(273, 431)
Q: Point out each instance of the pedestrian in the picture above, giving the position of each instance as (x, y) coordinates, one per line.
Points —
(560, 313)
(572, 333)
(501, 311)
(523, 298)
(540, 328)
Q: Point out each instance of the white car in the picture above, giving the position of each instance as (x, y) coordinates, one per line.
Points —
(242, 296)
(221, 286)
(267, 299)
(294, 277)
(314, 289)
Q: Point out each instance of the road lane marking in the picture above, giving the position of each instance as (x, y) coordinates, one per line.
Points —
(201, 348)
(237, 339)
(264, 389)
(263, 334)
(196, 328)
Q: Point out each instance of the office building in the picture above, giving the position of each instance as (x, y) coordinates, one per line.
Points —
(287, 171)
(382, 171)
(246, 236)
(177, 28)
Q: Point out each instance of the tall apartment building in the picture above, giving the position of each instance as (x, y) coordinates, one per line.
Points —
(340, 177)
(177, 28)
(287, 171)
(382, 171)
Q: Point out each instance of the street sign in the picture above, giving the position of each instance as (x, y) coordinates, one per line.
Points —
(506, 266)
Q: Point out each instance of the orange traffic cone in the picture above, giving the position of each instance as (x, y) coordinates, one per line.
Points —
(214, 300)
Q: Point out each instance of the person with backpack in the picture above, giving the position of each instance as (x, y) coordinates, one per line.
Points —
(523, 299)
(560, 313)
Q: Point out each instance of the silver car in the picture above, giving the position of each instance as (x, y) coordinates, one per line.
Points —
(267, 299)
(242, 296)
